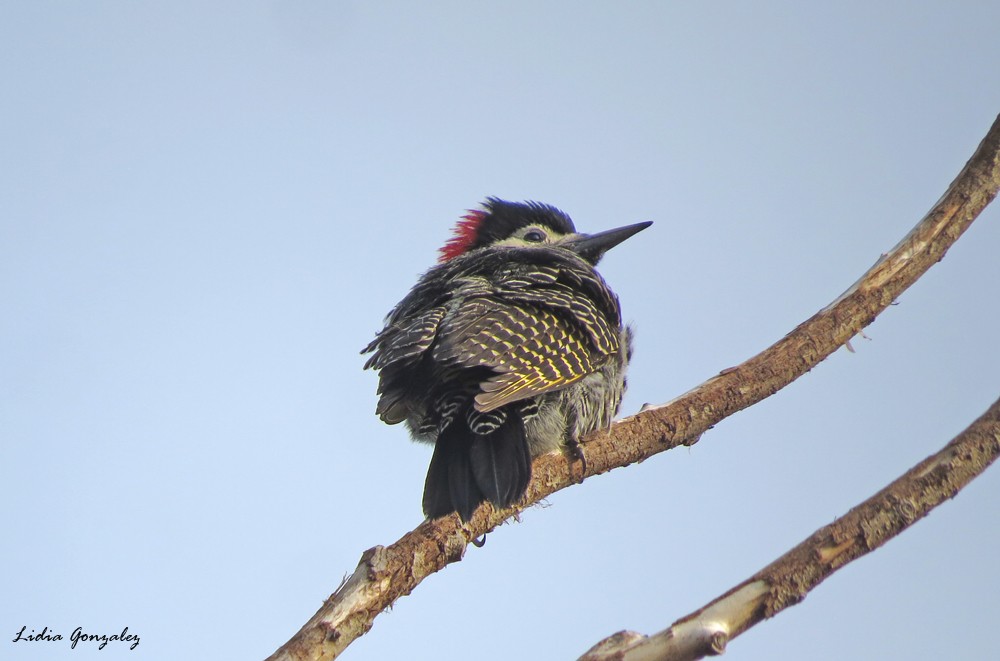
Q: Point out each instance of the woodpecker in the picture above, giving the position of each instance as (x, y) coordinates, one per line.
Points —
(512, 346)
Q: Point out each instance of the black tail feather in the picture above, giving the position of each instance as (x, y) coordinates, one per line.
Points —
(468, 468)
(465, 493)
(501, 462)
(437, 496)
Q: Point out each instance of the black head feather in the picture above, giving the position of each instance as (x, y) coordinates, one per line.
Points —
(499, 219)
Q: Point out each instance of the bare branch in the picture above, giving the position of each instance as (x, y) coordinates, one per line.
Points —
(386, 573)
(786, 581)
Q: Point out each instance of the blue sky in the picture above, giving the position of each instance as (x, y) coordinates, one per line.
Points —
(206, 210)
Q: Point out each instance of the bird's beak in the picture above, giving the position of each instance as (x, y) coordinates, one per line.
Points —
(592, 246)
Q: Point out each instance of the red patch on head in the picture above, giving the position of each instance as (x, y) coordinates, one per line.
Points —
(465, 235)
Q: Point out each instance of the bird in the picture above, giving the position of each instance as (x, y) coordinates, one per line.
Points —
(510, 347)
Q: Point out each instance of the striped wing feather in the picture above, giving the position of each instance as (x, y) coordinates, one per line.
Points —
(530, 349)
(536, 329)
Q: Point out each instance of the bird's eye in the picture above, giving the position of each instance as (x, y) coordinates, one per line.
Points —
(534, 236)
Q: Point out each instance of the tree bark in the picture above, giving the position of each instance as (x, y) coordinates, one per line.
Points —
(787, 580)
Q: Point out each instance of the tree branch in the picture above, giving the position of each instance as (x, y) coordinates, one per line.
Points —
(786, 581)
(386, 573)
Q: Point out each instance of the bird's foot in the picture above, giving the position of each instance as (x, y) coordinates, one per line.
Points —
(576, 458)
